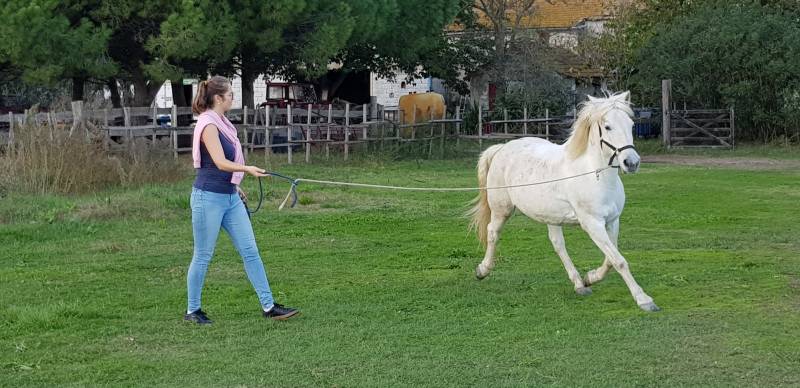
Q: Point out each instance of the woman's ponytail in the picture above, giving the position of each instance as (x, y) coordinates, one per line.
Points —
(206, 90)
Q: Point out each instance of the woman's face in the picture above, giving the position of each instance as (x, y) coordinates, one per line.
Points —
(224, 101)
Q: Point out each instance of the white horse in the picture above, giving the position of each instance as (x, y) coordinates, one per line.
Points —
(601, 136)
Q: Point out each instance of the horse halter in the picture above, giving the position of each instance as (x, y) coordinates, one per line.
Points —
(609, 145)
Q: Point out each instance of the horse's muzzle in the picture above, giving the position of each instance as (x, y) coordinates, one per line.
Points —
(630, 165)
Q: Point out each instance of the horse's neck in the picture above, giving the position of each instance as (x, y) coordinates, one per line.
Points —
(593, 158)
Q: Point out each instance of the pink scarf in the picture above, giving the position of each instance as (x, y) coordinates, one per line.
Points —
(227, 129)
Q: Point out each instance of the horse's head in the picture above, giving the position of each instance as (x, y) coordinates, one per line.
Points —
(615, 131)
(605, 125)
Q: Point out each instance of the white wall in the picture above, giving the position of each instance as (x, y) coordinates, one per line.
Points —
(388, 92)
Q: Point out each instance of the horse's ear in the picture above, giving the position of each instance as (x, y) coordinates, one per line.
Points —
(625, 96)
(592, 99)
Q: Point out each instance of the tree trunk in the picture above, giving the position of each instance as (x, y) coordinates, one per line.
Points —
(499, 73)
(322, 87)
(140, 92)
(78, 84)
(116, 100)
(178, 98)
(334, 87)
(144, 90)
(248, 77)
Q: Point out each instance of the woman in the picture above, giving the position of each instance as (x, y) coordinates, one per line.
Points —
(217, 200)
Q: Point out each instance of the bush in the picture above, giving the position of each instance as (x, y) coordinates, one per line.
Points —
(46, 160)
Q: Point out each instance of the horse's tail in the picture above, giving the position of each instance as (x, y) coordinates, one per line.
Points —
(481, 213)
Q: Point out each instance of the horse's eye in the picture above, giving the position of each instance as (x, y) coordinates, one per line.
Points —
(608, 127)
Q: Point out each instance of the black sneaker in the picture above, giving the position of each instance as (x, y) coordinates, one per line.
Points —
(199, 317)
(279, 312)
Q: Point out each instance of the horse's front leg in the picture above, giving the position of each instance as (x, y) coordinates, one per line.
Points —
(557, 238)
(597, 231)
(493, 235)
(596, 275)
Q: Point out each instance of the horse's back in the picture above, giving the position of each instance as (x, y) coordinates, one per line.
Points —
(532, 149)
(522, 160)
(526, 161)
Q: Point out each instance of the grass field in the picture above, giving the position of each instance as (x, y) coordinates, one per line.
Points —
(92, 288)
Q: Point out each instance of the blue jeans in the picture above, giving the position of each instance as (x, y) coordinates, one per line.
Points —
(210, 211)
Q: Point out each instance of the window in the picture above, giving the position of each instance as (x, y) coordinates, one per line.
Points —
(275, 93)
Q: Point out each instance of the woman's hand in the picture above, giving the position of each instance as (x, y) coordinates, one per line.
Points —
(255, 171)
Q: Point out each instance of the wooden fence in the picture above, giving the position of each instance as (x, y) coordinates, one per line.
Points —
(695, 128)
(295, 131)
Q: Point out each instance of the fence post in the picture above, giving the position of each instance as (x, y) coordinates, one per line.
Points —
(308, 135)
(524, 120)
(458, 126)
(666, 90)
(346, 131)
(382, 126)
(174, 116)
(430, 136)
(10, 129)
(126, 116)
(328, 133)
(505, 121)
(289, 133)
(51, 122)
(546, 124)
(733, 129)
(480, 126)
(364, 123)
(267, 141)
(374, 109)
(77, 116)
(441, 143)
(155, 124)
(173, 137)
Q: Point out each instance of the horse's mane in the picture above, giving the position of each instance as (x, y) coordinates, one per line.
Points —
(590, 113)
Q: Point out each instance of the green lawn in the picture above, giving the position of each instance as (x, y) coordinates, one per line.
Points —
(92, 288)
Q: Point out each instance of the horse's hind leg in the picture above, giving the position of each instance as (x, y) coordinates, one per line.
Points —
(499, 218)
(557, 238)
(596, 275)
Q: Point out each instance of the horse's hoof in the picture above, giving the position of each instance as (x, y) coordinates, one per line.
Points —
(649, 307)
(584, 291)
(479, 275)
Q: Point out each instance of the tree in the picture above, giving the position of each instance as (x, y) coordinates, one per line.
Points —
(85, 40)
(197, 37)
(249, 38)
(635, 22)
(504, 20)
(744, 56)
(297, 40)
(491, 44)
(133, 24)
(48, 46)
(302, 45)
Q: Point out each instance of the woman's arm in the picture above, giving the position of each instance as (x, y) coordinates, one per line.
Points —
(210, 138)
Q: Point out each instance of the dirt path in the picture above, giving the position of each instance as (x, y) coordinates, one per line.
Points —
(743, 163)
